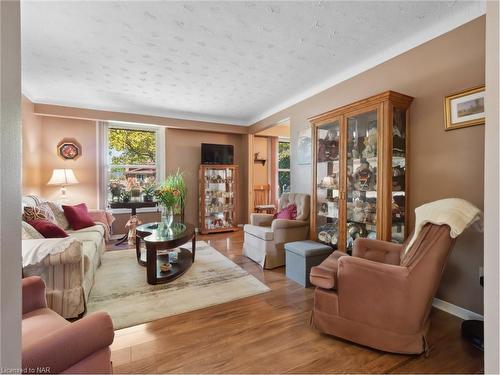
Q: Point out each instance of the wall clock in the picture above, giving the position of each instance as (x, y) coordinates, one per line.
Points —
(69, 149)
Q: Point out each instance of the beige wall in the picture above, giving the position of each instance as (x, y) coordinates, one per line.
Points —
(183, 150)
(85, 167)
(443, 164)
(280, 130)
(32, 144)
(261, 172)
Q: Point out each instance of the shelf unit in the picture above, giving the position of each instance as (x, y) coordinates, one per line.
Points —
(218, 200)
(360, 171)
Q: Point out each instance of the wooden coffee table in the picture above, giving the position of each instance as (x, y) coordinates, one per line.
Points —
(158, 236)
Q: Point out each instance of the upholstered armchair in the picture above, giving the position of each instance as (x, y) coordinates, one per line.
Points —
(265, 237)
(50, 344)
(381, 296)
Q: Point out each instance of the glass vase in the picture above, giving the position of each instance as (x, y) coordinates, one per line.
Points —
(167, 215)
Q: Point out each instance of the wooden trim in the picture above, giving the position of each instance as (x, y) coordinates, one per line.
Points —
(387, 95)
(249, 144)
(342, 220)
(94, 114)
(274, 170)
(386, 162)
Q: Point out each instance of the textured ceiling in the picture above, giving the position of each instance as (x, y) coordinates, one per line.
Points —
(232, 62)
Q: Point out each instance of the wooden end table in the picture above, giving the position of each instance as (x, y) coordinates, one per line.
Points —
(132, 206)
(158, 236)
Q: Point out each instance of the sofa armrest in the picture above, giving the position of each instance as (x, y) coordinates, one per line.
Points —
(70, 344)
(33, 294)
(261, 220)
(73, 254)
(285, 224)
(377, 250)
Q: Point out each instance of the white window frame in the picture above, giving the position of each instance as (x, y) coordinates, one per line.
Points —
(283, 140)
(103, 159)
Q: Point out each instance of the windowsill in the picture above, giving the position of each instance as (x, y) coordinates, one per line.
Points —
(120, 211)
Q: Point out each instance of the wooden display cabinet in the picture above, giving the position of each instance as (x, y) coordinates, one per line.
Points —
(218, 208)
(360, 171)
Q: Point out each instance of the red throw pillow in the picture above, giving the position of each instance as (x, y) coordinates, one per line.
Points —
(48, 229)
(78, 216)
(289, 213)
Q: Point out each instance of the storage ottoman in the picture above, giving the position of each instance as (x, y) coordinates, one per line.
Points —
(301, 256)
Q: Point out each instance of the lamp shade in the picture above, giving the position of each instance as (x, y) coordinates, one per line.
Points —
(62, 177)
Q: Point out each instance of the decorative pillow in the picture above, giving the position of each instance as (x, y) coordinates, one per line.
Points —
(48, 229)
(29, 233)
(59, 216)
(289, 212)
(78, 216)
(40, 212)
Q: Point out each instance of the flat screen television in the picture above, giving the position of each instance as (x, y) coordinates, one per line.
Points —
(217, 154)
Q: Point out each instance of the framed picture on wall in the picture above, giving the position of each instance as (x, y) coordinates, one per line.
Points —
(304, 147)
(69, 149)
(464, 109)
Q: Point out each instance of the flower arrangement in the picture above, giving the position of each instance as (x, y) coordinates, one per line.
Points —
(172, 192)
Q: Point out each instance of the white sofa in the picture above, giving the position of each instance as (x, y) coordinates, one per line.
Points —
(69, 276)
(265, 237)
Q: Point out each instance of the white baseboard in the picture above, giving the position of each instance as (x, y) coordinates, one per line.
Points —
(456, 310)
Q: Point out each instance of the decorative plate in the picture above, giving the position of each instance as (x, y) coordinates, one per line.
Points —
(69, 149)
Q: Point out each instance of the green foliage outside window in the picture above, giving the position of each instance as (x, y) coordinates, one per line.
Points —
(284, 155)
(284, 163)
(132, 147)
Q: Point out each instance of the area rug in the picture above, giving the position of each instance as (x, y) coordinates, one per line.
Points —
(121, 289)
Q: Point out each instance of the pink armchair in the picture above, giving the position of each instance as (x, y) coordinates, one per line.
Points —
(52, 344)
(382, 296)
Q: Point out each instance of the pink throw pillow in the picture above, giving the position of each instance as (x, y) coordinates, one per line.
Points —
(289, 213)
(78, 216)
(48, 229)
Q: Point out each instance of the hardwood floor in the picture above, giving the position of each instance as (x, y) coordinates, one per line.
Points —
(270, 333)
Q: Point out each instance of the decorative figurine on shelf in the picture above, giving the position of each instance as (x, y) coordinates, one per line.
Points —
(329, 182)
(358, 212)
(328, 148)
(370, 142)
(363, 176)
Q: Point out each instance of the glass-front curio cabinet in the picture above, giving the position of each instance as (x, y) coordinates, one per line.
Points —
(218, 198)
(360, 171)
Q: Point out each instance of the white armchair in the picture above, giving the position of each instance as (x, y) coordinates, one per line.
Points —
(265, 238)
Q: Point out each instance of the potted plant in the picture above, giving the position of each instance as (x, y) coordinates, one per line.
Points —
(116, 190)
(148, 192)
(135, 192)
(125, 196)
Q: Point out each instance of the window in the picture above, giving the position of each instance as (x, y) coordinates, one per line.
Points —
(283, 166)
(132, 158)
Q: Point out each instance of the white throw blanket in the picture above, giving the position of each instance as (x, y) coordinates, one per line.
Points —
(455, 212)
(34, 251)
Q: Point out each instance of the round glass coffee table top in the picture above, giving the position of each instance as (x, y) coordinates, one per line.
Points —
(160, 232)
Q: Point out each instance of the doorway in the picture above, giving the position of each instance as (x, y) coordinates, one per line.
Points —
(270, 167)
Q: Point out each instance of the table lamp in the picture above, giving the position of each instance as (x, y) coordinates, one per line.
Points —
(63, 177)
